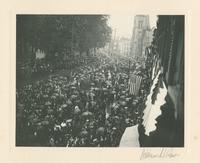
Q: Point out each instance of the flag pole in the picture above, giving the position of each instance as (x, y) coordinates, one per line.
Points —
(129, 68)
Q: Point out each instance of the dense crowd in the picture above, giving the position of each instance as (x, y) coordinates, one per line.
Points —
(41, 66)
(91, 107)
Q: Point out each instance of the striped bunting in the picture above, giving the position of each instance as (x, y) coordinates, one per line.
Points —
(134, 84)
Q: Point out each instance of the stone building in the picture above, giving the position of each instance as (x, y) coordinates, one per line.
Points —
(167, 55)
(141, 37)
(124, 46)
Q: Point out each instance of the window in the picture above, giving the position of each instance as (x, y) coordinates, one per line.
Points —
(140, 24)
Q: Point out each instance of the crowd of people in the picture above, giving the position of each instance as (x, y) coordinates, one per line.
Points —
(41, 67)
(90, 107)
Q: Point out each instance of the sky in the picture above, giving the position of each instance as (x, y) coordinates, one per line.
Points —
(124, 24)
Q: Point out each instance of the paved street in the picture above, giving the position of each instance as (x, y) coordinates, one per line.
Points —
(98, 93)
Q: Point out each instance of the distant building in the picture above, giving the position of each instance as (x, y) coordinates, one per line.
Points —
(141, 37)
(120, 46)
(124, 46)
(115, 49)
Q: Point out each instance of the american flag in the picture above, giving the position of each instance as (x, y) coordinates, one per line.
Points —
(134, 84)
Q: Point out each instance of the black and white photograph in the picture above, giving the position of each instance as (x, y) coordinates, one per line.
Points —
(100, 80)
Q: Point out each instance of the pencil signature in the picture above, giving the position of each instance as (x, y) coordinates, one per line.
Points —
(163, 153)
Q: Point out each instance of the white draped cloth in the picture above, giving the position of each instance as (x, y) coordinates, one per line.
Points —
(152, 111)
(130, 137)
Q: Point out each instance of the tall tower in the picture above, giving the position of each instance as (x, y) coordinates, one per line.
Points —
(141, 37)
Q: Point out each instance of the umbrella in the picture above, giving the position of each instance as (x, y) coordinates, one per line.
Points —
(83, 133)
(75, 92)
(123, 92)
(69, 102)
(34, 120)
(105, 89)
(56, 94)
(92, 94)
(116, 117)
(126, 108)
(96, 89)
(47, 103)
(122, 85)
(114, 128)
(64, 106)
(123, 103)
(135, 101)
(73, 96)
(53, 97)
(87, 113)
(45, 96)
(127, 99)
(50, 111)
(62, 96)
(77, 101)
(113, 92)
(122, 97)
(91, 126)
(39, 126)
(100, 131)
(137, 98)
(45, 122)
(116, 107)
(73, 87)
(39, 123)
(20, 106)
(68, 120)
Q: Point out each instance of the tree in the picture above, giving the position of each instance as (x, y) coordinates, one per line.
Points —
(58, 34)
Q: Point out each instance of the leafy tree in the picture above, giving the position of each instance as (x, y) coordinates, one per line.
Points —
(58, 34)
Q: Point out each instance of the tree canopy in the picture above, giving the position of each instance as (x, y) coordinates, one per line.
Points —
(61, 33)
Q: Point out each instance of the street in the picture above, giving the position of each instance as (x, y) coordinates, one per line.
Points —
(91, 109)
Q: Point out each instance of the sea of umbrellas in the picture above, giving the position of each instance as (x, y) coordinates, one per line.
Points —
(91, 108)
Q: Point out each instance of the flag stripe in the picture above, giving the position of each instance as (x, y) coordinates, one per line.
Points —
(134, 84)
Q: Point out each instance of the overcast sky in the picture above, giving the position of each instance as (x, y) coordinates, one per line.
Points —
(124, 24)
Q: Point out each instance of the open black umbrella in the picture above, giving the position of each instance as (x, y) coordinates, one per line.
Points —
(122, 96)
(49, 111)
(74, 97)
(73, 87)
(100, 131)
(47, 103)
(86, 114)
(53, 97)
(69, 102)
(45, 122)
(123, 103)
(64, 106)
(68, 120)
(116, 117)
(83, 133)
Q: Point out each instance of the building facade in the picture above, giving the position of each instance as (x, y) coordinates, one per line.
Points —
(141, 37)
(167, 57)
(124, 46)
